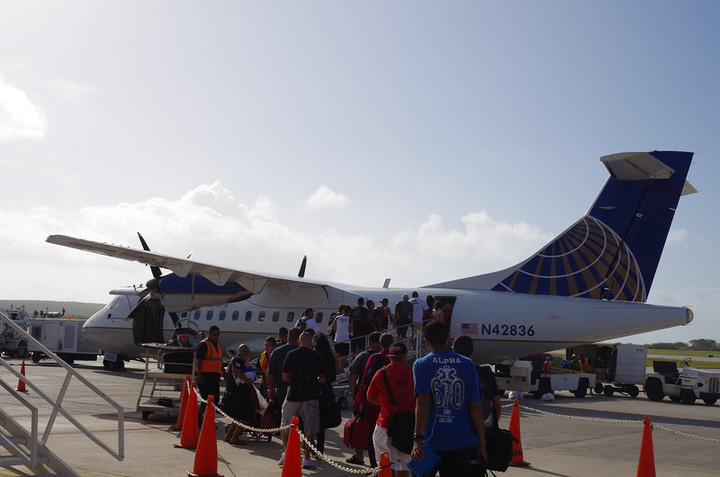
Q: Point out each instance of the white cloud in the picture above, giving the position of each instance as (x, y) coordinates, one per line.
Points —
(326, 198)
(678, 236)
(19, 117)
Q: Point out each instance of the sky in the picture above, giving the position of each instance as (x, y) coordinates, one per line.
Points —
(413, 140)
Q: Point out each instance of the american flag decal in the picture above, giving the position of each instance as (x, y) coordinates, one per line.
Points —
(468, 328)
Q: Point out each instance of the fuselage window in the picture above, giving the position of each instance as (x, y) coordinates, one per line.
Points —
(196, 315)
(261, 316)
(222, 315)
(209, 315)
(319, 316)
(235, 315)
(248, 315)
(291, 316)
(276, 316)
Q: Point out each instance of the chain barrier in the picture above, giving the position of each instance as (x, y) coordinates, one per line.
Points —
(617, 421)
(350, 470)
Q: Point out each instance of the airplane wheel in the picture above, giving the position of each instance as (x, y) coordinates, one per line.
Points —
(709, 401)
(654, 390)
(608, 391)
(633, 391)
(687, 396)
(113, 365)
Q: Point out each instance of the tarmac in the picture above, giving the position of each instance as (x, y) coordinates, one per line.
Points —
(595, 435)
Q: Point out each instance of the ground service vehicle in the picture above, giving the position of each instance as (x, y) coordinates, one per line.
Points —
(63, 337)
(620, 366)
(528, 376)
(685, 385)
(11, 343)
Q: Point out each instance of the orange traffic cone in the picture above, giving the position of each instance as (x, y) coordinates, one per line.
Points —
(21, 384)
(385, 470)
(646, 463)
(189, 434)
(183, 403)
(517, 458)
(206, 456)
(292, 467)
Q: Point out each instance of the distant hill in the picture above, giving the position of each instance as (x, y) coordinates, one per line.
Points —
(73, 309)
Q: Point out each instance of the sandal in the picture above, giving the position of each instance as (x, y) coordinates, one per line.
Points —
(355, 460)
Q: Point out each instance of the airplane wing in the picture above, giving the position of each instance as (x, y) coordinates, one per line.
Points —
(254, 282)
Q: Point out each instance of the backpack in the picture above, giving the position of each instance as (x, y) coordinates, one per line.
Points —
(302, 323)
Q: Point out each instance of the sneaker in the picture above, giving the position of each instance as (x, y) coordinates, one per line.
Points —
(354, 460)
(307, 464)
(282, 459)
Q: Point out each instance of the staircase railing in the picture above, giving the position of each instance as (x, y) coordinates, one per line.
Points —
(56, 403)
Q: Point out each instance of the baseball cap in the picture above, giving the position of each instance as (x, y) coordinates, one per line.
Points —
(397, 349)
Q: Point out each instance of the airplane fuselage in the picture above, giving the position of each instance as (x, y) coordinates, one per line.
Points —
(502, 324)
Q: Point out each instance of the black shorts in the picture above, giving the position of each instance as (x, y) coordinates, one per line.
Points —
(343, 349)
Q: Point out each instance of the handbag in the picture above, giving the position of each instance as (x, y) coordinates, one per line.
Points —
(400, 424)
(329, 411)
(357, 433)
(499, 446)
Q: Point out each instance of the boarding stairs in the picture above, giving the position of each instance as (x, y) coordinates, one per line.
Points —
(21, 445)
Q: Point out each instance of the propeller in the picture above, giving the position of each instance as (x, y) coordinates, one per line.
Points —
(152, 288)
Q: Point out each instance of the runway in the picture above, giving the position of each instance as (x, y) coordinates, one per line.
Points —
(594, 435)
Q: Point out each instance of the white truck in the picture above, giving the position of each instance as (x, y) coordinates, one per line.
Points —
(11, 343)
(685, 385)
(528, 376)
(63, 337)
(620, 366)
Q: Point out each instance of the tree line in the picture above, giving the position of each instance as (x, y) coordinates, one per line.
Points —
(694, 345)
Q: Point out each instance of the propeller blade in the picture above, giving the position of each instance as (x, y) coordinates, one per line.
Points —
(301, 273)
(155, 270)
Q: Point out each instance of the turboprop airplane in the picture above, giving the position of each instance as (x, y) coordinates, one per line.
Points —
(589, 284)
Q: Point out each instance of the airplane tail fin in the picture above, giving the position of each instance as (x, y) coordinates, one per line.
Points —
(613, 252)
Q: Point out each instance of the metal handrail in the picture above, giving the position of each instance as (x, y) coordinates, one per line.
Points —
(57, 403)
(32, 459)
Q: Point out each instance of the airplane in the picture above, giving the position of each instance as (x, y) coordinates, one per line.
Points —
(589, 284)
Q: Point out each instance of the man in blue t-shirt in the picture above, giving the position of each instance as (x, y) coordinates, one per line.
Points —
(449, 405)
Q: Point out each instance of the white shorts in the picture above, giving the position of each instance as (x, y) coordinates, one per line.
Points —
(307, 411)
(382, 443)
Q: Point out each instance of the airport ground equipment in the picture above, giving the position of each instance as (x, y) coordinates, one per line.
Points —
(618, 367)
(12, 343)
(63, 337)
(165, 369)
(684, 385)
(527, 376)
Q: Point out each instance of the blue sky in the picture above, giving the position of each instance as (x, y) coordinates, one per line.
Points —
(421, 141)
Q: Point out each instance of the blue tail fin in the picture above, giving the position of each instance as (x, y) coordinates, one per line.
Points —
(613, 252)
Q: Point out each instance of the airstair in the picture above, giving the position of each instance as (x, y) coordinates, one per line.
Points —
(21, 444)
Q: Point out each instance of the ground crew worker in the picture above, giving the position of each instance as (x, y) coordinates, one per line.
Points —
(209, 367)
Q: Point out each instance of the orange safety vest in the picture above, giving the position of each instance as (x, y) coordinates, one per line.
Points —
(212, 362)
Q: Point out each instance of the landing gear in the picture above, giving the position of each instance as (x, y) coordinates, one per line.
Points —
(117, 365)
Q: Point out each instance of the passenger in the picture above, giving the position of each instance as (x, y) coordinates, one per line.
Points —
(343, 327)
(400, 380)
(355, 374)
(264, 360)
(303, 370)
(361, 406)
(403, 316)
(282, 336)
(361, 325)
(492, 408)
(321, 344)
(448, 412)
(385, 313)
(419, 307)
(209, 366)
(307, 321)
(276, 387)
(240, 400)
